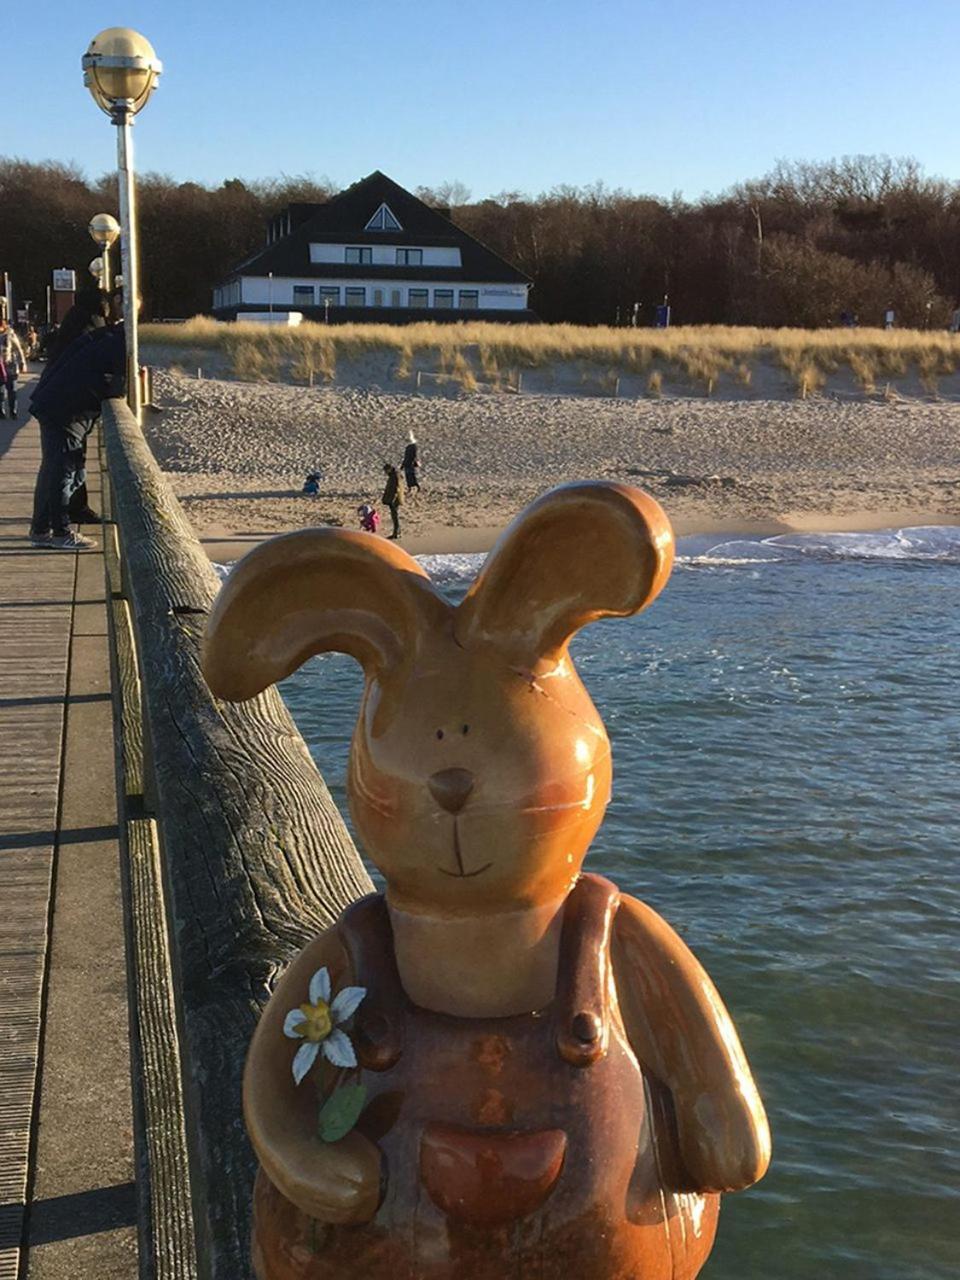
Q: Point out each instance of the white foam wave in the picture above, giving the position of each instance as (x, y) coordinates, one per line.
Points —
(924, 543)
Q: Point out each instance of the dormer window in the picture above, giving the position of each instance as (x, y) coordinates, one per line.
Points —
(357, 257)
(383, 220)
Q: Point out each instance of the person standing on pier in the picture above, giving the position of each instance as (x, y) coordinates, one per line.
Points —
(66, 404)
(14, 363)
(89, 313)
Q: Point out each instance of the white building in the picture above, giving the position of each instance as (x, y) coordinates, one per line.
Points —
(374, 252)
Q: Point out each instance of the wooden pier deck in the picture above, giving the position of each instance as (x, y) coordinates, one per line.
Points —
(67, 1204)
(162, 856)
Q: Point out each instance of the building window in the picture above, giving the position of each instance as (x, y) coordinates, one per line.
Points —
(417, 297)
(303, 295)
(409, 257)
(443, 298)
(378, 297)
(469, 299)
(383, 220)
(358, 257)
(356, 297)
(329, 295)
(395, 298)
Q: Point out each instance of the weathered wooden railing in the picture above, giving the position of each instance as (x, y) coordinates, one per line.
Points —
(236, 855)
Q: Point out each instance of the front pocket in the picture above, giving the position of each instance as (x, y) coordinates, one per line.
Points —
(487, 1179)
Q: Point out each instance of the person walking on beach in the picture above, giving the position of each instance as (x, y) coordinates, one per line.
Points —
(66, 404)
(14, 363)
(392, 497)
(411, 464)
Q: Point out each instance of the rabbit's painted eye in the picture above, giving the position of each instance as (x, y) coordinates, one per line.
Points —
(465, 730)
(439, 733)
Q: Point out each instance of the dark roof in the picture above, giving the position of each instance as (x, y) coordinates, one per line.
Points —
(344, 218)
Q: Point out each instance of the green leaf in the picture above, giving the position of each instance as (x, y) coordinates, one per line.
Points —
(341, 1111)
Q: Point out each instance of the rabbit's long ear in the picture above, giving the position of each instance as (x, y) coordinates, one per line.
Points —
(310, 592)
(580, 552)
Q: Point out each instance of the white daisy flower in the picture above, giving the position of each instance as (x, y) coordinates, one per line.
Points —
(318, 1023)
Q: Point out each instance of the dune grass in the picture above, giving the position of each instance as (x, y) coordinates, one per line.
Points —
(494, 354)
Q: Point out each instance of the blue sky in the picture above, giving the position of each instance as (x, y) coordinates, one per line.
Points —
(677, 95)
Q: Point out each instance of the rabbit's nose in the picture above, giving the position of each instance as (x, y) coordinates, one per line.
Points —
(450, 788)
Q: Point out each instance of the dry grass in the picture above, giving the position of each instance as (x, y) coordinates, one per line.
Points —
(703, 354)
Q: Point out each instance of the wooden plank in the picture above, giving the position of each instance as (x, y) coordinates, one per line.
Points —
(172, 1245)
(36, 607)
(256, 858)
(127, 687)
(111, 555)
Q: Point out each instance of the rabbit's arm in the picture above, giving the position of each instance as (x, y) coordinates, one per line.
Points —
(680, 1030)
(331, 1181)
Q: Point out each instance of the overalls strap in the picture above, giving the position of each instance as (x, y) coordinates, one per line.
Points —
(368, 937)
(582, 1009)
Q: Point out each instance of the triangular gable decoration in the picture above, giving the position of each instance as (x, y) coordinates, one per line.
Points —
(383, 220)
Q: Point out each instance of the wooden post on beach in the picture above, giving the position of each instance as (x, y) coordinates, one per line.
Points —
(616, 389)
(199, 373)
(519, 380)
(418, 379)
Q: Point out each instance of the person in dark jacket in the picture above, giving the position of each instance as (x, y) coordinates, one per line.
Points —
(411, 464)
(66, 404)
(90, 312)
(391, 497)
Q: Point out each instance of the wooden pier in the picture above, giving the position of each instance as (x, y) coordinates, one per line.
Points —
(67, 1202)
(162, 856)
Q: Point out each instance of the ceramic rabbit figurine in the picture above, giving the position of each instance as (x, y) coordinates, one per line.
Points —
(552, 1085)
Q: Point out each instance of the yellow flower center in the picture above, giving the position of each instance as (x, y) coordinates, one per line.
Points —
(318, 1023)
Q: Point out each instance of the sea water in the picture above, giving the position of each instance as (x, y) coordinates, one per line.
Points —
(786, 739)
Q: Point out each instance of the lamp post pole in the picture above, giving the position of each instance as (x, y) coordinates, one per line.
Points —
(129, 249)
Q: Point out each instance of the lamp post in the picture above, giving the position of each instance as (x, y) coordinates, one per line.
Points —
(104, 229)
(121, 70)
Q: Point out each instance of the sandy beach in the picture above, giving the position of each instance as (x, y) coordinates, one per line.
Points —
(236, 454)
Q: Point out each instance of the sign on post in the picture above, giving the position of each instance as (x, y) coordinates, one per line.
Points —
(64, 288)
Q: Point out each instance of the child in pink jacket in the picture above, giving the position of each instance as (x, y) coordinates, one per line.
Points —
(369, 518)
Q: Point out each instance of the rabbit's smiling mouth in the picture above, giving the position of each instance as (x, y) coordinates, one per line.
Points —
(460, 873)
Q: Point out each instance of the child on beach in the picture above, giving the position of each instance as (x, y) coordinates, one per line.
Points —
(369, 518)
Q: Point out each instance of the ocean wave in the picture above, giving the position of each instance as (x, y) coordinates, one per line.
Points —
(923, 543)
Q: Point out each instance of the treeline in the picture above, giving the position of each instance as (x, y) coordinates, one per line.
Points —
(190, 235)
(799, 247)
